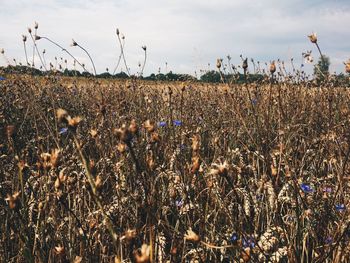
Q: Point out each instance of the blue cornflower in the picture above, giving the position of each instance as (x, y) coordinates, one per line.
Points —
(327, 189)
(179, 203)
(328, 240)
(254, 101)
(162, 123)
(177, 123)
(248, 242)
(306, 188)
(63, 130)
(340, 207)
(2, 78)
(234, 237)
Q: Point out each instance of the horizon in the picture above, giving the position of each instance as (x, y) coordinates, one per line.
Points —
(180, 37)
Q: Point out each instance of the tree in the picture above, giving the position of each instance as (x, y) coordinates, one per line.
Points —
(211, 76)
(321, 69)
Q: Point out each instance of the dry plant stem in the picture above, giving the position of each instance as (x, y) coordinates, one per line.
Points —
(123, 54)
(25, 52)
(35, 47)
(65, 50)
(144, 63)
(119, 59)
(92, 62)
(95, 194)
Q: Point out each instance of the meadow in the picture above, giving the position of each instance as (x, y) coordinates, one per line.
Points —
(95, 170)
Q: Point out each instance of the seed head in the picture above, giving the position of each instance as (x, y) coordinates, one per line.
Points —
(2, 51)
(143, 254)
(61, 114)
(144, 48)
(192, 236)
(218, 63)
(313, 38)
(245, 64)
(36, 25)
(149, 126)
(117, 31)
(74, 43)
(272, 67)
(347, 66)
(13, 200)
(37, 37)
(24, 38)
(29, 30)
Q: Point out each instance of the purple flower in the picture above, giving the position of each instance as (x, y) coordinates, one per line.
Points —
(340, 207)
(162, 123)
(2, 78)
(177, 123)
(63, 131)
(306, 188)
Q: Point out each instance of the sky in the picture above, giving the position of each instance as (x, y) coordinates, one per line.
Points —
(184, 36)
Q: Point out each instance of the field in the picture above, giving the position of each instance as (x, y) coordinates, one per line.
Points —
(95, 170)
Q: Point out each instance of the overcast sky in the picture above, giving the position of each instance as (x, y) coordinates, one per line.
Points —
(186, 34)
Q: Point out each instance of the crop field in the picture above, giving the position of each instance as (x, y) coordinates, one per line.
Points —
(95, 170)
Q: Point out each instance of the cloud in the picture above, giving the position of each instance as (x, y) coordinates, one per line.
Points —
(186, 34)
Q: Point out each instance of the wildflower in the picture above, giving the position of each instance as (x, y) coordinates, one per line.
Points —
(313, 38)
(162, 124)
(327, 189)
(177, 122)
(218, 63)
(63, 131)
(328, 240)
(93, 133)
(73, 122)
(121, 147)
(2, 78)
(124, 134)
(234, 237)
(272, 67)
(13, 200)
(61, 115)
(347, 66)
(59, 250)
(179, 203)
(149, 126)
(245, 64)
(254, 101)
(306, 188)
(248, 242)
(192, 236)
(133, 128)
(143, 255)
(340, 207)
(74, 43)
(129, 235)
